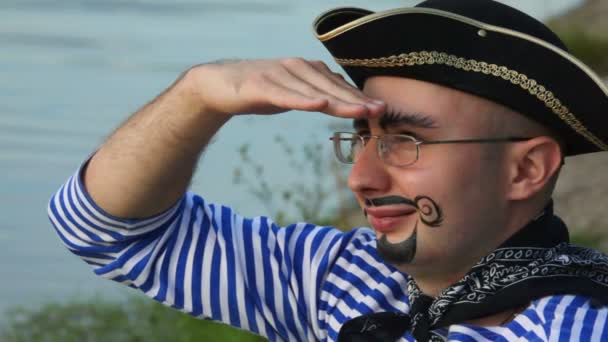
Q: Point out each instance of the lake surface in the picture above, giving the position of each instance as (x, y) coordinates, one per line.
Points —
(72, 70)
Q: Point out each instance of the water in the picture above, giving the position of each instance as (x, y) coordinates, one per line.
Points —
(72, 70)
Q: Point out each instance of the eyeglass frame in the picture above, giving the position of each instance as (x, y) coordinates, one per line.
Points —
(338, 153)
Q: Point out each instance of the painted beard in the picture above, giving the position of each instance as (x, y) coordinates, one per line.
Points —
(403, 252)
(399, 253)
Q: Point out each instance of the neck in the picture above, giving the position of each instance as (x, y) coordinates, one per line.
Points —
(433, 284)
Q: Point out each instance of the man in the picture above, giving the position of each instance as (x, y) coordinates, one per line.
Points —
(466, 111)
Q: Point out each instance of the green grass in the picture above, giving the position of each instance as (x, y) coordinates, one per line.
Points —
(135, 320)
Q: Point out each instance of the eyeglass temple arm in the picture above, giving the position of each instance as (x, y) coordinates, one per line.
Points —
(470, 141)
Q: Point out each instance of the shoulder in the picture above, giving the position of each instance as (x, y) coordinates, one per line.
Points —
(358, 282)
(568, 317)
(359, 271)
(359, 251)
(551, 318)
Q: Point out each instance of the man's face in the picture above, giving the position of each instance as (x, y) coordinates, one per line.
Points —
(453, 195)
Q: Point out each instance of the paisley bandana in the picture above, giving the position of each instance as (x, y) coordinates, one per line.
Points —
(536, 262)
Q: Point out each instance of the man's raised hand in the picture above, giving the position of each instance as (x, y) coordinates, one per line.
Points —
(274, 86)
(150, 159)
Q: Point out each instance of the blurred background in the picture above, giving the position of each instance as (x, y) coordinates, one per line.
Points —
(72, 70)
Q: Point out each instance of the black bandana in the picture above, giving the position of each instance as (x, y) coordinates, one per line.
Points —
(536, 262)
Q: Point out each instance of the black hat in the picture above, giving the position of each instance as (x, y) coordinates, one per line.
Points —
(481, 47)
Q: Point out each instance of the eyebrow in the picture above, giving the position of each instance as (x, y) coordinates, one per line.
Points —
(360, 124)
(397, 118)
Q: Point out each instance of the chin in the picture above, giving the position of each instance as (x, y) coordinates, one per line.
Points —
(398, 251)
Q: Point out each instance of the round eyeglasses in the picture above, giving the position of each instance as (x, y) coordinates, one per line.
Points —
(396, 149)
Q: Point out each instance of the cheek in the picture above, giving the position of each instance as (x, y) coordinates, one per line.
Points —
(442, 181)
(461, 185)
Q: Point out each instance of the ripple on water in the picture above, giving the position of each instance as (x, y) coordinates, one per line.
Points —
(154, 7)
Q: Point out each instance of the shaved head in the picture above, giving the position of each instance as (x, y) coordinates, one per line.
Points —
(503, 121)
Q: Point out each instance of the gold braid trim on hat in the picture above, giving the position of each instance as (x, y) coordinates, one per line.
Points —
(528, 84)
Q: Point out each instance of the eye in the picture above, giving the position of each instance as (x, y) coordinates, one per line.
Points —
(399, 149)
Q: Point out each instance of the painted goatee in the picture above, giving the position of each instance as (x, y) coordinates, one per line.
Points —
(398, 253)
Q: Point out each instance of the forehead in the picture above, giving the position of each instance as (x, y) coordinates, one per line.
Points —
(424, 101)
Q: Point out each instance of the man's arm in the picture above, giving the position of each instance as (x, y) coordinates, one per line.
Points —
(147, 164)
(201, 257)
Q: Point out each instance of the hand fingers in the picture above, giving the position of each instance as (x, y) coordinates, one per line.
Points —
(337, 77)
(308, 73)
(335, 104)
(379, 106)
(285, 97)
(318, 74)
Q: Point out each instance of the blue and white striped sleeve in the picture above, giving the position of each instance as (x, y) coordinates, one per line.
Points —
(206, 260)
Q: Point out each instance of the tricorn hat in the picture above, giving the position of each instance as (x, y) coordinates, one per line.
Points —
(481, 47)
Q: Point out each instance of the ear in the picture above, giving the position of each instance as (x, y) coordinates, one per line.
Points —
(532, 165)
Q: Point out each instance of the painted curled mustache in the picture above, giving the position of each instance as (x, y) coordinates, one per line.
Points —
(389, 200)
(430, 212)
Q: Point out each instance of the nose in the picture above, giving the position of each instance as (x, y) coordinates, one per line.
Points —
(368, 175)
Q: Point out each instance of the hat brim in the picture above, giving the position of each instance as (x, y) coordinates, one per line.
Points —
(522, 72)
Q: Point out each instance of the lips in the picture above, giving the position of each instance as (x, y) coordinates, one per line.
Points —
(387, 219)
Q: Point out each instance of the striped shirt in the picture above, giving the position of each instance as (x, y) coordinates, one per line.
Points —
(294, 283)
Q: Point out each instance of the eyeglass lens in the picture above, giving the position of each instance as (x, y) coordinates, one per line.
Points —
(393, 149)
